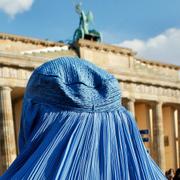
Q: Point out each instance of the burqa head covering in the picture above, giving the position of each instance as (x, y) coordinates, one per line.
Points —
(73, 127)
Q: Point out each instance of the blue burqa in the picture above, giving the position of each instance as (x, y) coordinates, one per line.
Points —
(73, 127)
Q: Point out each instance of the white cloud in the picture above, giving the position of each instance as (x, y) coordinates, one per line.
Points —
(13, 7)
(164, 47)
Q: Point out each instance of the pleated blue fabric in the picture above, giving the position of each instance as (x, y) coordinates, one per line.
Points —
(73, 127)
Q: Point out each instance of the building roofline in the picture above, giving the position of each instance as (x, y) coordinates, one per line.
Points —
(105, 47)
(30, 40)
(88, 44)
(23, 61)
(158, 63)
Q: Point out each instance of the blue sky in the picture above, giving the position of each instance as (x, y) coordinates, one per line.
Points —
(149, 27)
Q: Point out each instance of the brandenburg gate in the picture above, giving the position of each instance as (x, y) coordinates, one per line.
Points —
(150, 90)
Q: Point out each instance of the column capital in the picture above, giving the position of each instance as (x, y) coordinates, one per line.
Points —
(5, 88)
(160, 102)
(132, 99)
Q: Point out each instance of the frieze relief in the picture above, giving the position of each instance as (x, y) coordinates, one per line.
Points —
(149, 89)
(8, 72)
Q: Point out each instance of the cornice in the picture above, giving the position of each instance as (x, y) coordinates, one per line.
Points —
(157, 63)
(21, 61)
(29, 40)
(104, 47)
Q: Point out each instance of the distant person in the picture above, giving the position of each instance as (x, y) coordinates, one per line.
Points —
(177, 174)
(73, 127)
(170, 174)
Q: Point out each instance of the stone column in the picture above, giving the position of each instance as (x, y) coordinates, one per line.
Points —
(159, 136)
(174, 135)
(131, 106)
(179, 134)
(7, 135)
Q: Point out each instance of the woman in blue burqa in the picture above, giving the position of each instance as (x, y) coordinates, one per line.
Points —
(73, 127)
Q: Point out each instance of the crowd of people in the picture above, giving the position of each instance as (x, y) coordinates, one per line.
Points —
(172, 175)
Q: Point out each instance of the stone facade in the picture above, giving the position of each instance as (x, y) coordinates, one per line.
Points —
(150, 90)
